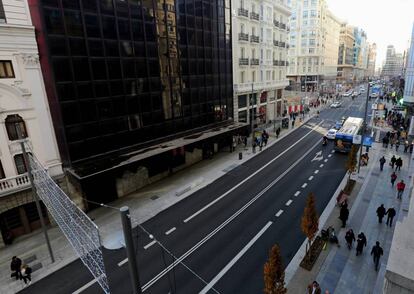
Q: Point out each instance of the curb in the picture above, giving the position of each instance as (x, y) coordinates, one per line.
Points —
(300, 254)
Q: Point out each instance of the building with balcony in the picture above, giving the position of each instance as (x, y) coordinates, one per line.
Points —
(138, 89)
(313, 45)
(393, 66)
(24, 114)
(259, 66)
(346, 64)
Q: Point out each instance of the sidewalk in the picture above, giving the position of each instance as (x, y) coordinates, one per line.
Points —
(143, 205)
(339, 270)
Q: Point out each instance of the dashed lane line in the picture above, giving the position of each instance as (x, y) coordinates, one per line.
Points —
(170, 231)
(289, 202)
(304, 185)
(316, 171)
(321, 165)
(326, 160)
(310, 178)
(149, 244)
(297, 193)
(330, 155)
(279, 213)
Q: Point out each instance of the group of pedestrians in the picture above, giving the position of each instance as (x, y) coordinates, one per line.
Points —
(397, 163)
(20, 271)
(390, 212)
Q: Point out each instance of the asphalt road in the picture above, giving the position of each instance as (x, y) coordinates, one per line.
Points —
(222, 233)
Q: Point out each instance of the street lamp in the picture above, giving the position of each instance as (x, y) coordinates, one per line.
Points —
(364, 128)
(252, 117)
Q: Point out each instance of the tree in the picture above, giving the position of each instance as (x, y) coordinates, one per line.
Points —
(351, 162)
(310, 221)
(274, 273)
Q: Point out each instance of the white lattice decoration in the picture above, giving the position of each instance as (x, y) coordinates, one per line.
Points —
(79, 229)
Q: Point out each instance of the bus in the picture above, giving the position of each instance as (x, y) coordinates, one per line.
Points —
(344, 137)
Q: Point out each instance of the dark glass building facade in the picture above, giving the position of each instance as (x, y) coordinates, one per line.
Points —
(123, 73)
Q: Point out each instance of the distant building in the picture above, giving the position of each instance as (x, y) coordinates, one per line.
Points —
(372, 56)
(24, 113)
(260, 46)
(393, 64)
(346, 63)
(314, 42)
(409, 74)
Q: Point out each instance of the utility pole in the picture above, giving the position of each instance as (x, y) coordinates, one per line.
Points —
(252, 117)
(130, 248)
(34, 191)
(364, 128)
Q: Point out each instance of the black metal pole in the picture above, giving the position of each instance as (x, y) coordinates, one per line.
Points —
(130, 248)
(34, 191)
(364, 129)
(251, 121)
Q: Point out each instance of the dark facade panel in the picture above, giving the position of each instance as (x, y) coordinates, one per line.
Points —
(129, 72)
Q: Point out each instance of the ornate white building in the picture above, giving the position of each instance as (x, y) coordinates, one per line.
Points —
(260, 30)
(24, 106)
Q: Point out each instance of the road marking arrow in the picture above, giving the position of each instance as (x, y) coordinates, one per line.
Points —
(318, 156)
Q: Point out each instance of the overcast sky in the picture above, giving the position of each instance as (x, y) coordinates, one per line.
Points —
(386, 22)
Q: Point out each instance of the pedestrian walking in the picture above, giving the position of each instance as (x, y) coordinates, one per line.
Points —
(376, 252)
(27, 274)
(349, 238)
(293, 123)
(400, 189)
(343, 215)
(397, 145)
(15, 267)
(277, 133)
(314, 288)
(392, 161)
(390, 215)
(361, 242)
(382, 162)
(245, 141)
(411, 148)
(393, 178)
(380, 213)
(406, 146)
(398, 164)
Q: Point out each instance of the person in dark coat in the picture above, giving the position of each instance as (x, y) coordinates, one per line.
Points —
(343, 215)
(361, 242)
(277, 133)
(376, 252)
(349, 237)
(390, 215)
(382, 162)
(27, 274)
(15, 267)
(398, 164)
(392, 161)
(380, 213)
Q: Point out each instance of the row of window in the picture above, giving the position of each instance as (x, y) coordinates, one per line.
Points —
(268, 54)
(20, 164)
(268, 75)
(6, 67)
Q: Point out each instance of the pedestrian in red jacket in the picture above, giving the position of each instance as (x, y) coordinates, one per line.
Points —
(400, 189)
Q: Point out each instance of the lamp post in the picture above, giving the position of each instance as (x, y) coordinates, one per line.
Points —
(364, 128)
(252, 117)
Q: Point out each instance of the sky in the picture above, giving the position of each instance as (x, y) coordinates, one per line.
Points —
(386, 22)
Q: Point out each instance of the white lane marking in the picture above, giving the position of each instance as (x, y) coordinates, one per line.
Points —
(249, 177)
(316, 171)
(121, 263)
(321, 165)
(149, 244)
(297, 193)
(333, 151)
(326, 160)
(304, 185)
(310, 178)
(170, 231)
(234, 260)
(289, 202)
(225, 223)
(330, 155)
(86, 286)
(279, 213)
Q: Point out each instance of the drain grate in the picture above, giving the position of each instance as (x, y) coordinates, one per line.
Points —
(155, 197)
(29, 259)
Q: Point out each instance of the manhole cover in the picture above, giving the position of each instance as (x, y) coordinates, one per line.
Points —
(155, 197)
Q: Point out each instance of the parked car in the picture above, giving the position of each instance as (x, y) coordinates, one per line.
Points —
(338, 125)
(331, 134)
(347, 94)
(355, 94)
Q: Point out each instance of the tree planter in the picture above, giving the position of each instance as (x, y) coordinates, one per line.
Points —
(349, 186)
(310, 258)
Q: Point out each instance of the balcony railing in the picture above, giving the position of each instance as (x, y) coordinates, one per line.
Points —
(287, 46)
(254, 15)
(243, 37)
(282, 26)
(254, 39)
(276, 43)
(243, 61)
(276, 23)
(282, 44)
(287, 63)
(254, 61)
(243, 12)
(288, 28)
(281, 62)
(276, 62)
(14, 184)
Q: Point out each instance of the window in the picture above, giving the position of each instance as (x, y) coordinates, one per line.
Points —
(254, 76)
(20, 164)
(14, 124)
(313, 13)
(242, 77)
(2, 14)
(6, 68)
(305, 13)
(2, 174)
